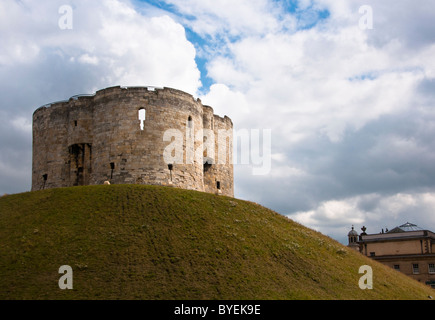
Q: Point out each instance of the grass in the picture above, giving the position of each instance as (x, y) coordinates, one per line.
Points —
(150, 242)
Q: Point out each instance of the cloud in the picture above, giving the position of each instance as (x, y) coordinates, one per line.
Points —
(86, 58)
(109, 38)
(231, 18)
(110, 43)
(350, 110)
(374, 211)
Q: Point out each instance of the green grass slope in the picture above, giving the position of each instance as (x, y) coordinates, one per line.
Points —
(149, 242)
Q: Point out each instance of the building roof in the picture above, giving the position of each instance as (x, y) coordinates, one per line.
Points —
(352, 232)
(406, 231)
(406, 228)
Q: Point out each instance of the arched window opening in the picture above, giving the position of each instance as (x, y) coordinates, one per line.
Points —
(207, 165)
(142, 117)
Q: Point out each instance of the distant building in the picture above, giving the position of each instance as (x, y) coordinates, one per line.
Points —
(406, 248)
(353, 239)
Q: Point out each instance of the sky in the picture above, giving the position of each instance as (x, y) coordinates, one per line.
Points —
(345, 88)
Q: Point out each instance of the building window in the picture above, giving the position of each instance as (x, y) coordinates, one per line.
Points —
(142, 117)
(75, 123)
(415, 268)
(112, 167)
(218, 185)
(44, 177)
(170, 167)
(190, 126)
(396, 267)
(372, 254)
(431, 267)
(207, 165)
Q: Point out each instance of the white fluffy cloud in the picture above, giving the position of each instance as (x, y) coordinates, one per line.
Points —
(110, 38)
(232, 18)
(346, 109)
(324, 81)
(110, 43)
(374, 211)
(351, 110)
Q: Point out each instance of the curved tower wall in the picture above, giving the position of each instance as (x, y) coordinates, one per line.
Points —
(93, 139)
(218, 172)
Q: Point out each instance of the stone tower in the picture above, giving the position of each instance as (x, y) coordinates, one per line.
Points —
(133, 135)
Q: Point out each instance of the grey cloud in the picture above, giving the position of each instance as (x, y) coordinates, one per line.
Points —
(427, 89)
(364, 162)
(24, 89)
(392, 154)
(408, 21)
(15, 158)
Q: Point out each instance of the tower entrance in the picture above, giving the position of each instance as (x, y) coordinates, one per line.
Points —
(80, 169)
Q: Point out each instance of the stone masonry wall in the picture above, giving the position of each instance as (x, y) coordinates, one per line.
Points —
(88, 140)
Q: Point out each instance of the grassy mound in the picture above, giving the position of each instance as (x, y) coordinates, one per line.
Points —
(149, 242)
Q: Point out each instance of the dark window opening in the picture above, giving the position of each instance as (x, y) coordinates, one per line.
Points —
(218, 185)
(112, 167)
(170, 167)
(207, 163)
(207, 166)
(372, 254)
(75, 123)
(44, 177)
